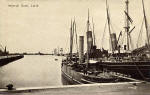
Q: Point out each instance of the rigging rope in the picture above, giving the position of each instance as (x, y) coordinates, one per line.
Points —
(140, 34)
(141, 74)
(131, 41)
(113, 31)
(104, 34)
(2, 47)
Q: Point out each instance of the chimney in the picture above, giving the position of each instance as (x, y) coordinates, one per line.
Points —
(114, 41)
(81, 49)
(89, 41)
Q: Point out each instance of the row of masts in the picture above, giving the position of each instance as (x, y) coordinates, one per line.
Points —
(127, 27)
(89, 33)
(72, 33)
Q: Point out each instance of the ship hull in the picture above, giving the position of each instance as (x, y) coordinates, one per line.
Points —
(4, 60)
(138, 70)
(68, 80)
(71, 76)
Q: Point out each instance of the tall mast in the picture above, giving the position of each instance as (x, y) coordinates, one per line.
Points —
(75, 34)
(108, 21)
(93, 32)
(146, 24)
(88, 24)
(71, 40)
(127, 23)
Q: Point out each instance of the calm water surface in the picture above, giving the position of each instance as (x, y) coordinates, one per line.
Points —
(32, 71)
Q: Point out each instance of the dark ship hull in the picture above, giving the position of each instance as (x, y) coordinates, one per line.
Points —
(4, 60)
(133, 70)
(137, 69)
(71, 76)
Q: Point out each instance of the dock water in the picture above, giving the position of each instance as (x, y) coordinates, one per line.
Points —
(32, 71)
(41, 75)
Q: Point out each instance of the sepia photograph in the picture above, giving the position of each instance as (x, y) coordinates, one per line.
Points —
(74, 47)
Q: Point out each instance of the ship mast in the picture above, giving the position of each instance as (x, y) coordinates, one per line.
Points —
(146, 24)
(127, 23)
(88, 25)
(75, 31)
(108, 21)
(71, 40)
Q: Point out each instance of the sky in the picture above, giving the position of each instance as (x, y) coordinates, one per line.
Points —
(43, 28)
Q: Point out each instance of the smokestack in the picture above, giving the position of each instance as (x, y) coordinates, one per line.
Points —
(89, 40)
(81, 49)
(114, 41)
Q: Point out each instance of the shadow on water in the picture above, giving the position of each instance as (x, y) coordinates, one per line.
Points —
(32, 71)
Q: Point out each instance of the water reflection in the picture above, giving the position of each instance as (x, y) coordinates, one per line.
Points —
(32, 71)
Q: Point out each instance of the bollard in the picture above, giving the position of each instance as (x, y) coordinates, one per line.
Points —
(10, 87)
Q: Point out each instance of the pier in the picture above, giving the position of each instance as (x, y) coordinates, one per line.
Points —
(9, 58)
(127, 88)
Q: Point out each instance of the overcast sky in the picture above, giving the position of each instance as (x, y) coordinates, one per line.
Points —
(47, 26)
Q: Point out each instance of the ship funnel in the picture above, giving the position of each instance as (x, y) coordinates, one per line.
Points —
(89, 41)
(114, 41)
(81, 49)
